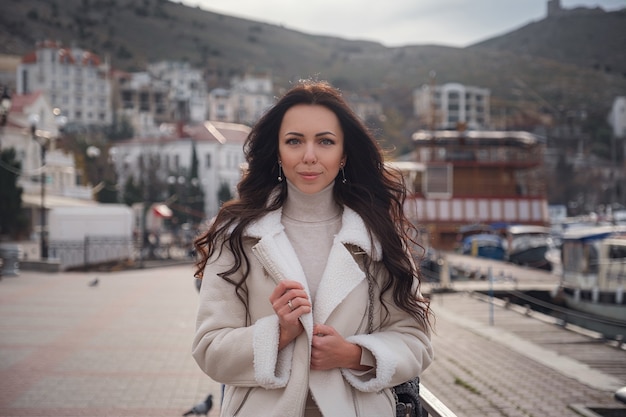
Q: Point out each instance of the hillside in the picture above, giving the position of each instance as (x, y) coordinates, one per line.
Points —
(586, 38)
(571, 62)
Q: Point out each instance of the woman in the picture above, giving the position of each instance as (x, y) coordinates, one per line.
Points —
(310, 302)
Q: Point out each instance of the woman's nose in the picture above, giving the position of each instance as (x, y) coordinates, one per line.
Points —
(309, 156)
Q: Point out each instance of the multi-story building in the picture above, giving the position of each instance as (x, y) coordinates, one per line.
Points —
(141, 100)
(48, 176)
(167, 92)
(187, 90)
(452, 105)
(74, 80)
(165, 159)
(457, 179)
(245, 102)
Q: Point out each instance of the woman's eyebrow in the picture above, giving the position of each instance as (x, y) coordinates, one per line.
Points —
(317, 134)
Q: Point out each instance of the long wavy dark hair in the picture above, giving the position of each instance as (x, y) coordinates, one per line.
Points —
(376, 193)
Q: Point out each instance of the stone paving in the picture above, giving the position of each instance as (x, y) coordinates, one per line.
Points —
(122, 348)
(489, 370)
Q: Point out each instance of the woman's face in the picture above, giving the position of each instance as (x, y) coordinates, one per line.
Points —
(310, 147)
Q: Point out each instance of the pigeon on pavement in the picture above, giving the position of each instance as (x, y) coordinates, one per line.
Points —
(94, 282)
(201, 408)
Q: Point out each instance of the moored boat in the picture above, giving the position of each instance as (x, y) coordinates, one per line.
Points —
(528, 245)
(594, 271)
(484, 245)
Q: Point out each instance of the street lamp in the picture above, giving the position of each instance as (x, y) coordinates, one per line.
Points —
(43, 238)
(43, 138)
(5, 108)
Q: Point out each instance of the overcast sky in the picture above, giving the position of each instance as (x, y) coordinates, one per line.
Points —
(398, 22)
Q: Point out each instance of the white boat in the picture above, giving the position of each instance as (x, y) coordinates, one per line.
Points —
(594, 271)
(528, 245)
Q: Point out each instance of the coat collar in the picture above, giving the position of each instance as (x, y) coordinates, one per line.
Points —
(342, 273)
(353, 231)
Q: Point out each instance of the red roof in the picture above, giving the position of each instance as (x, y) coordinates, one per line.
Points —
(19, 101)
(64, 54)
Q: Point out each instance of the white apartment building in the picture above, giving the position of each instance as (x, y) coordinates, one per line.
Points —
(141, 100)
(74, 80)
(245, 102)
(187, 89)
(219, 149)
(451, 105)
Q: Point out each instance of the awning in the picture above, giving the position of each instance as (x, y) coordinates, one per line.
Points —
(52, 201)
(161, 210)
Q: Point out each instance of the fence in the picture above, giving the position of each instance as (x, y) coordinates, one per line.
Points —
(91, 250)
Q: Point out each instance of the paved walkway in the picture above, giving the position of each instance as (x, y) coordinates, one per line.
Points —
(519, 365)
(122, 348)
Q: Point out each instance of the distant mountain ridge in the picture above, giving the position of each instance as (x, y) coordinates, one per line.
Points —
(573, 61)
(588, 38)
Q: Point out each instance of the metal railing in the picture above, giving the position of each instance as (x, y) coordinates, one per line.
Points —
(431, 406)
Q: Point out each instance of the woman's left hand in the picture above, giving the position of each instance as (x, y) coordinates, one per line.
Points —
(330, 350)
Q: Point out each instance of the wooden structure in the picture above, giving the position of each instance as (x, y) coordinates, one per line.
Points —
(458, 178)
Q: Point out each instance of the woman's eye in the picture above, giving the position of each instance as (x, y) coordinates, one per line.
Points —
(292, 141)
(327, 141)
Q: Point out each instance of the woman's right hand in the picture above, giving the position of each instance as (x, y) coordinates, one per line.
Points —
(289, 301)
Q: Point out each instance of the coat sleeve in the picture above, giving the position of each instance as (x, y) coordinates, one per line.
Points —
(225, 347)
(402, 349)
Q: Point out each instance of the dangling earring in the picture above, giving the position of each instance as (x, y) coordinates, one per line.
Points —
(280, 171)
(343, 174)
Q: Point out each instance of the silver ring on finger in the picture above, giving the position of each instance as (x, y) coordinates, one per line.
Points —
(290, 305)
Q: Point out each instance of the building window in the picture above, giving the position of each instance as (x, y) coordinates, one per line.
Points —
(144, 101)
(207, 160)
(438, 181)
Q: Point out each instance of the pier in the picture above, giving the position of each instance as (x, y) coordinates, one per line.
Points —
(493, 358)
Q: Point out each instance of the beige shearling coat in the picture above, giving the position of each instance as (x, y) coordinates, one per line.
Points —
(243, 354)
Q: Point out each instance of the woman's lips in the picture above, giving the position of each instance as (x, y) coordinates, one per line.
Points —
(309, 175)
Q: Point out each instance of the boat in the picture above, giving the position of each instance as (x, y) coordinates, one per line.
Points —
(484, 245)
(528, 245)
(594, 271)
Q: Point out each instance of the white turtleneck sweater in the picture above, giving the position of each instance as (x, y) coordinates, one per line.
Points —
(311, 222)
